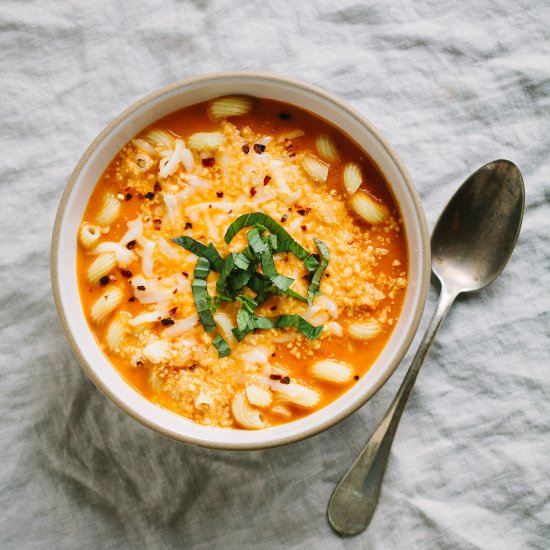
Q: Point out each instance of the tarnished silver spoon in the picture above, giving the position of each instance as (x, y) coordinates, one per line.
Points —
(471, 243)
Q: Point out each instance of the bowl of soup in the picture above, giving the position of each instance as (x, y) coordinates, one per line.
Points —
(240, 261)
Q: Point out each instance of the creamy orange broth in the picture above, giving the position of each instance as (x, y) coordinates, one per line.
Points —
(357, 268)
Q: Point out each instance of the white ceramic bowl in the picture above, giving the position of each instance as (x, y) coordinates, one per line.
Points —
(92, 165)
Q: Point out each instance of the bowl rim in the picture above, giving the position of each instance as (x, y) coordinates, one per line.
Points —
(424, 250)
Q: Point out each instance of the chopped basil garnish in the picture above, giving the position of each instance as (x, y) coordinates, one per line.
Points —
(227, 268)
(239, 279)
(300, 252)
(296, 321)
(313, 288)
(263, 252)
(285, 243)
(254, 323)
(246, 312)
(196, 247)
(221, 345)
(291, 294)
(307, 329)
(239, 271)
(202, 299)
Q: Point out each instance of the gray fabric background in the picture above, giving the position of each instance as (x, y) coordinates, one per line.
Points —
(452, 85)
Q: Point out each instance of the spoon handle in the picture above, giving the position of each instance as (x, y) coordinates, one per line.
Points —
(354, 500)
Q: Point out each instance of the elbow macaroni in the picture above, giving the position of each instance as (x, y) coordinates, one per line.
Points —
(316, 168)
(110, 211)
(298, 395)
(365, 330)
(206, 140)
(245, 415)
(106, 305)
(101, 266)
(326, 148)
(160, 139)
(332, 371)
(229, 106)
(116, 331)
(89, 235)
(368, 208)
(353, 177)
(259, 397)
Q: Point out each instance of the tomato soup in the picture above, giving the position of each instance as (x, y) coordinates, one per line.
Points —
(242, 263)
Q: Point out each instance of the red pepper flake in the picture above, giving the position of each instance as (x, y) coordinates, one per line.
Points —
(303, 227)
(253, 191)
(192, 367)
(267, 179)
(128, 196)
(275, 376)
(175, 291)
(130, 245)
(173, 311)
(219, 194)
(157, 187)
(273, 354)
(356, 377)
(292, 154)
(157, 222)
(139, 363)
(207, 163)
(259, 148)
(285, 380)
(273, 308)
(150, 195)
(141, 287)
(104, 280)
(246, 149)
(188, 225)
(185, 274)
(285, 116)
(132, 299)
(166, 322)
(327, 274)
(284, 218)
(302, 212)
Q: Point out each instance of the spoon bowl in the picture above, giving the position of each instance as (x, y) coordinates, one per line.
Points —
(475, 235)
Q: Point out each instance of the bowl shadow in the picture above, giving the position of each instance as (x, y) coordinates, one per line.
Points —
(155, 485)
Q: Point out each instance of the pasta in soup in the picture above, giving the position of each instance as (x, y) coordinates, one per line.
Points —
(242, 263)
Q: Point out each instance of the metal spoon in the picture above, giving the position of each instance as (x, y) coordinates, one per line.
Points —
(471, 243)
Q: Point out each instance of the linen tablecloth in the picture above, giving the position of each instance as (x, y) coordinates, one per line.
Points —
(452, 85)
